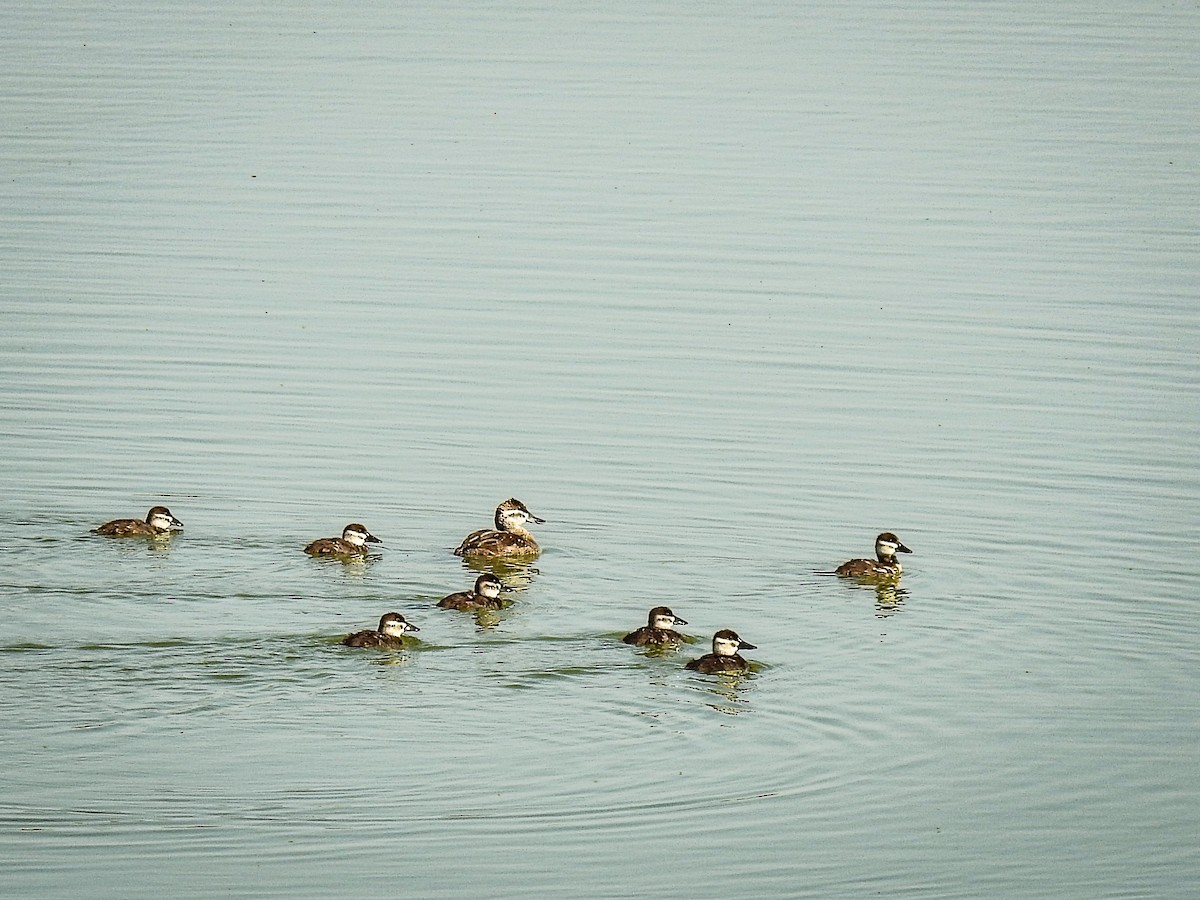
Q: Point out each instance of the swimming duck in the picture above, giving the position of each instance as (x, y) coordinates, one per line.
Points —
(392, 629)
(486, 595)
(353, 542)
(724, 657)
(884, 565)
(658, 630)
(159, 521)
(508, 538)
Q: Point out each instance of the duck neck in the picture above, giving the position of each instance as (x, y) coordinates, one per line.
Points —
(890, 561)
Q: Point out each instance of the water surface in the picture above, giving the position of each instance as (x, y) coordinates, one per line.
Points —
(719, 292)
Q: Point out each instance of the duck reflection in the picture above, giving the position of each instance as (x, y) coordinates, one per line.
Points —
(395, 658)
(889, 600)
(487, 618)
(351, 565)
(732, 688)
(158, 546)
(514, 575)
(890, 597)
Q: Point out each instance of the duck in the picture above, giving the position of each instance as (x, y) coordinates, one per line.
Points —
(658, 630)
(353, 542)
(158, 522)
(486, 595)
(509, 538)
(392, 629)
(885, 564)
(724, 657)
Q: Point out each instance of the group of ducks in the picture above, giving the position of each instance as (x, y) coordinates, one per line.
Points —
(511, 540)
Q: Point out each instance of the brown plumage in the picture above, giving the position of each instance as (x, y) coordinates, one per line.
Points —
(657, 631)
(724, 659)
(353, 542)
(885, 564)
(159, 521)
(508, 538)
(392, 629)
(486, 595)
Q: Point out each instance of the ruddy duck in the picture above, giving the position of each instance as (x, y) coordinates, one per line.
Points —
(509, 538)
(884, 565)
(159, 521)
(724, 657)
(392, 629)
(658, 630)
(353, 542)
(486, 595)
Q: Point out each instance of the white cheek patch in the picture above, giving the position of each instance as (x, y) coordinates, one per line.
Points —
(887, 548)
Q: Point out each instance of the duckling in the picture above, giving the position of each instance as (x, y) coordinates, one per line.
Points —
(658, 630)
(885, 564)
(159, 522)
(508, 538)
(392, 629)
(486, 595)
(724, 657)
(353, 542)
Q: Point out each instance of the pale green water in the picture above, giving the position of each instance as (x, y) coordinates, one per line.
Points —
(720, 293)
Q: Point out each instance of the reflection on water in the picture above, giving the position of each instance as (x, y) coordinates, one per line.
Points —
(351, 565)
(483, 618)
(889, 599)
(158, 545)
(394, 657)
(890, 596)
(733, 689)
(516, 575)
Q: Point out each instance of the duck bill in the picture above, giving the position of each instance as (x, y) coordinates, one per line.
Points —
(902, 549)
(745, 646)
(536, 520)
(679, 621)
(409, 628)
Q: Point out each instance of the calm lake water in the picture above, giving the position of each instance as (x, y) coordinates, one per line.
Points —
(720, 291)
